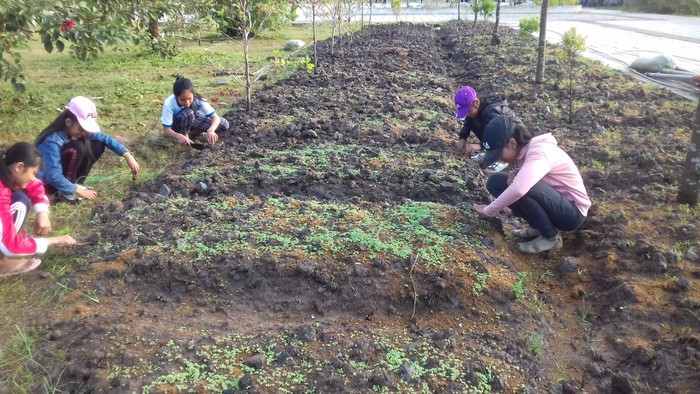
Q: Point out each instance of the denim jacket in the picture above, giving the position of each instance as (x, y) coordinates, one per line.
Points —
(50, 149)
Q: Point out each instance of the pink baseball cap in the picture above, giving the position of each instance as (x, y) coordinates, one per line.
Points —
(84, 109)
(463, 100)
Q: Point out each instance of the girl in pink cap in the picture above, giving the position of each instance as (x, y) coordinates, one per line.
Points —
(70, 146)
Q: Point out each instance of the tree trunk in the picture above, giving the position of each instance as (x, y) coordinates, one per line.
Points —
(539, 74)
(313, 28)
(459, 10)
(689, 184)
(571, 88)
(246, 31)
(494, 39)
(475, 3)
(371, 6)
(246, 60)
(153, 30)
(333, 38)
(362, 15)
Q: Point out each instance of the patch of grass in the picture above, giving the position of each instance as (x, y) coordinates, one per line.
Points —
(519, 288)
(318, 229)
(220, 364)
(18, 360)
(535, 343)
(479, 284)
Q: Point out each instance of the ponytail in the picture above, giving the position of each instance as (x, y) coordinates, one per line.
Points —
(5, 172)
(21, 152)
(522, 135)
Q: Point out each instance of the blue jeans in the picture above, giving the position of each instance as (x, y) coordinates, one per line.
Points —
(543, 207)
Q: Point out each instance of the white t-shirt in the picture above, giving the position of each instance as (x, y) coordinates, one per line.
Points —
(172, 108)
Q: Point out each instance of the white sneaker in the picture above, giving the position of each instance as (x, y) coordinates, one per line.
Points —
(479, 156)
(497, 167)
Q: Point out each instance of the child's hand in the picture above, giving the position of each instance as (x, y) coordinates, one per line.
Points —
(479, 208)
(87, 194)
(183, 140)
(212, 137)
(473, 149)
(63, 240)
(131, 162)
(461, 146)
(43, 224)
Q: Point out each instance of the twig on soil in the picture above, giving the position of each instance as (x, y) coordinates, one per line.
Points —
(413, 283)
(695, 314)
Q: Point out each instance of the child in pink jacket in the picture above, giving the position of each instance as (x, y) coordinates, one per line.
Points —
(20, 191)
(546, 189)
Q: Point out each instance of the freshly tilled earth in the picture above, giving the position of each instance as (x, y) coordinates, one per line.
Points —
(327, 243)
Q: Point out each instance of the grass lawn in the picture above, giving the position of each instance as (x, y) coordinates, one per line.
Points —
(128, 85)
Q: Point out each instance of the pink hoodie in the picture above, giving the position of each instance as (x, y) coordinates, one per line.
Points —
(542, 159)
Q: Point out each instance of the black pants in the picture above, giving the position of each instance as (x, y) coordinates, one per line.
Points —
(76, 161)
(543, 207)
(19, 206)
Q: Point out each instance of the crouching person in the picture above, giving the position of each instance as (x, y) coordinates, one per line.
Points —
(546, 189)
(20, 191)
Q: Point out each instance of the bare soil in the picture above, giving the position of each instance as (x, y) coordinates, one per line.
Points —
(328, 245)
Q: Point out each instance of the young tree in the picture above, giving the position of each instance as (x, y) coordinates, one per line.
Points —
(476, 7)
(396, 8)
(250, 17)
(315, 6)
(494, 39)
(689, 184)
(486, 8)
(268, 14)
(542, 44)
(573, 44)
(332, 12)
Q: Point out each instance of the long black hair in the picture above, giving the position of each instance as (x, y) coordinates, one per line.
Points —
(21, 152)
(181, 84)
(59, 124)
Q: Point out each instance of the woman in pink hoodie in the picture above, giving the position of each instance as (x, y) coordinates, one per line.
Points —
(546, 189)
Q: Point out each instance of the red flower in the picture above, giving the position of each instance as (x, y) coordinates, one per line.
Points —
(67, 25)
(214, 100)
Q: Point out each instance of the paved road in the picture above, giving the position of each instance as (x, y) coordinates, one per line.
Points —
(615, 38)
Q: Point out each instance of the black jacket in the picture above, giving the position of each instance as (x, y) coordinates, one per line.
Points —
(488, 109)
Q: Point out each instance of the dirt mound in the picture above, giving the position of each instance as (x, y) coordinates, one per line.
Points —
(327, 244)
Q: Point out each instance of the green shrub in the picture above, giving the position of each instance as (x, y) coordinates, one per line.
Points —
(529, 25)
